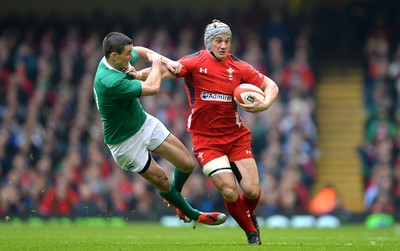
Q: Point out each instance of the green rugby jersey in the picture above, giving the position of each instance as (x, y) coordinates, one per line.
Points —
(117, 98)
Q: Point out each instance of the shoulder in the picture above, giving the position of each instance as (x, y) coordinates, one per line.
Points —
(109, 78)
(190, 61)
(239, 62)
(192, 56)
(235, 58)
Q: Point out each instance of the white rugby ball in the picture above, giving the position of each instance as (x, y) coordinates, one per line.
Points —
(245, 93)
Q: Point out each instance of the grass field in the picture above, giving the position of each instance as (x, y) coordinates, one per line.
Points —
(152, 236)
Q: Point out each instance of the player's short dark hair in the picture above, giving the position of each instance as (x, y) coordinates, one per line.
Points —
(115, 42)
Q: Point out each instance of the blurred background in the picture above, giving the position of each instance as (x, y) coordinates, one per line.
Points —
(329, 145)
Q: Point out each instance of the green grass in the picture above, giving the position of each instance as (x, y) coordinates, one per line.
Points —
(64, 235)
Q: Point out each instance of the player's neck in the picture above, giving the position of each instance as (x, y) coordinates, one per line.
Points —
(212, 54)
(113, 65)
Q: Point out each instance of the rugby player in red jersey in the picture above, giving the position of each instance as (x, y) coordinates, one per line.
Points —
(222, 143)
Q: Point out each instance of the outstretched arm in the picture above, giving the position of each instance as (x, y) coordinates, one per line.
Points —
(172, 66)
(142, 74)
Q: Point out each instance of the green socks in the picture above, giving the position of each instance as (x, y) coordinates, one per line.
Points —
(176, 199)
(179, 179)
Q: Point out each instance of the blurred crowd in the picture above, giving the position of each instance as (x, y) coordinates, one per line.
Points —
(380, 152)
(52, 157)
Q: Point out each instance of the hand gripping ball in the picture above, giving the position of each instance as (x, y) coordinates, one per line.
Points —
(245, 94)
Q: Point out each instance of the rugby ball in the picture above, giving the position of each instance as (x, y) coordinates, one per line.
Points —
(245, 94)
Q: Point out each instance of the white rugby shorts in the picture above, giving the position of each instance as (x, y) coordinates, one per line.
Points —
(133, 153)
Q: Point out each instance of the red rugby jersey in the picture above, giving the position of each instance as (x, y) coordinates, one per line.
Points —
(209, 85)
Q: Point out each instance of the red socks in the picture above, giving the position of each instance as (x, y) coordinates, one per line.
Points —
(251, 204)
(238, 210)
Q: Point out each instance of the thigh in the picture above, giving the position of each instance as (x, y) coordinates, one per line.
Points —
(250, 180)
(155, 133)
(173, 150)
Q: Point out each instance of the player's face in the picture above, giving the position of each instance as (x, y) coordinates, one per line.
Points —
(221, 46)
(121, 61)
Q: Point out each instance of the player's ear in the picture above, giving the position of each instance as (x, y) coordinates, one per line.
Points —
(113, 54)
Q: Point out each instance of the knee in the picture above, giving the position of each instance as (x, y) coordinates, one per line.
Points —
(229, 192)
(252, 192)
(189, 164)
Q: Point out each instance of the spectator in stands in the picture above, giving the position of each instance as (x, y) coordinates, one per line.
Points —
(275, 58)
(10, 197)
(59, 199)
(89, 204)
(380, 183)
(383, 203)
(269, 202)
(298, 75)
(33, 192)
(396, 185)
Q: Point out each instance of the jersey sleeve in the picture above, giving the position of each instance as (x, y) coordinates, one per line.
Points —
(251, 75)
(135, 56)
(188, 63)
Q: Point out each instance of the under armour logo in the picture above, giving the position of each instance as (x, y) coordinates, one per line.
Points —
(248, 152)
(203, 70)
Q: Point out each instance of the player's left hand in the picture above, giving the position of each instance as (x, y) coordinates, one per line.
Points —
(173, 66)
(133, 72)
(257, 106)
(136, 74)
(129, 68)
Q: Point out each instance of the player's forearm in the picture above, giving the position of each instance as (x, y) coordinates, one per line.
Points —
(271, 93)
(144, 73)
(151, 85)
(165, 73)
(143, 53)
(173, 66)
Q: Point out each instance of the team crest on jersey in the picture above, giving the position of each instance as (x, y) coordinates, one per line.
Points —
(200, 156)
(215, 97)
(230, 71)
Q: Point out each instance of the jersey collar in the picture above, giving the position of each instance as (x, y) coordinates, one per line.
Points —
(108, 65)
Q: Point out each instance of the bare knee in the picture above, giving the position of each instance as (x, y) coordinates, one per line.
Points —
(252, 191)
(188, 164)
(226, 184)
(229, 191)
